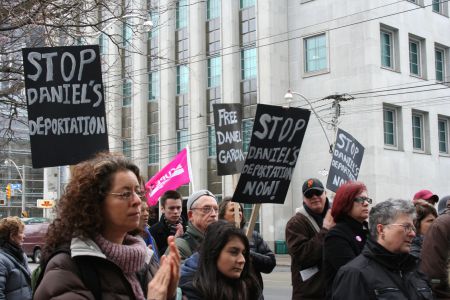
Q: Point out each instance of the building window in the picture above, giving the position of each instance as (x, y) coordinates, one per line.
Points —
(153, 149)
(213, 36)
(248, 64)
(214, 71)
(415, 57)
(438, 6)
(126, 148)
(103, 43)
(126, 92)
(439, 55)
(443, 135)
(126, 35)
(247, 128)
(182, 13)
(315, 49)
(211, 141)
(247, 3)
(182, 112)
(213, 9)
(390, 127)
(182, 139)
(387, 50)
(418, 132)
(153, 86)
(248, 25)
(182, 80)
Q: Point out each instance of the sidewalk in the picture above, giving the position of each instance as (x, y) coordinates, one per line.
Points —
(283, 260)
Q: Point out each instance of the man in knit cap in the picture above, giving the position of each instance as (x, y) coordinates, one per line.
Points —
(202, 210)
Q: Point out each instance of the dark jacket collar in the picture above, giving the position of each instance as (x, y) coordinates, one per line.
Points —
(393, 261)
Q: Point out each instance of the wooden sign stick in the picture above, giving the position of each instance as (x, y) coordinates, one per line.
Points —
(253, 218)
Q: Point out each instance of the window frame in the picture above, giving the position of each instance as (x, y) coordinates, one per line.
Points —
(418, 57)
(153, 144)
(394, 123)
(397, 127)
(325, 69)
(394, 49)
(212, 141)
(424, 131)
(446, 121)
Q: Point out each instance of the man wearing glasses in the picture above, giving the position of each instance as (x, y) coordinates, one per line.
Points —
(305, 233)
(202, 210)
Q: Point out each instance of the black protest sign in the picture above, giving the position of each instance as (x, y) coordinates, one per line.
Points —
(346, 162)
(66, 107)
(227, 123)
(274, 148)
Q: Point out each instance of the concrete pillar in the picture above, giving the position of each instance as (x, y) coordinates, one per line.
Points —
(197, 93)
(168, 76)
(139, 110)
(231, 68)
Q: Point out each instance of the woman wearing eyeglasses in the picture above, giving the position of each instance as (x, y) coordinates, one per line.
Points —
(385, 269)
(89, 253)
(346, 240)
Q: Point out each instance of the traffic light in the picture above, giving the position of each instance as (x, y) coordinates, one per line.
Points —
(8, 191)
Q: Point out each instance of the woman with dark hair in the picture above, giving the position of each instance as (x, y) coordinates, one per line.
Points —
(346, 240)
(385, 269)
(425, 216)
(220, 270)
(262, 258)
(14, 272)
(89, 253)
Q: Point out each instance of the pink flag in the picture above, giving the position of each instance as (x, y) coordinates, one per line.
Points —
(173, 175)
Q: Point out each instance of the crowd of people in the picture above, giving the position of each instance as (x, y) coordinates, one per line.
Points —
(402, 252)
(101, 245)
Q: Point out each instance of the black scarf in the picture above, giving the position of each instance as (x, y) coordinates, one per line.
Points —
(172, 227)
(318, 217)
(13, 250)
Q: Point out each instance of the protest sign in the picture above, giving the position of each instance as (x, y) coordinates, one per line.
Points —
(274, 148)
(346, 162)
(172, 176)
(227, 123)
(66, 107)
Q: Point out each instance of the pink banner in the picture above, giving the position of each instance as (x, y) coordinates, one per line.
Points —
(172, 176)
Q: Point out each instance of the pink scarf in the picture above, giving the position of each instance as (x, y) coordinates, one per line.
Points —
(129, 257)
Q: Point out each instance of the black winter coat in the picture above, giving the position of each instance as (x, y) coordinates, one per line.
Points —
(262, 257)
(160, 232)
(378, 274)
(343, 242)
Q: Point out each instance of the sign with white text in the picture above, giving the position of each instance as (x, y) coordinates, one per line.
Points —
(227, 124)
(347, 157)
(66, 105)
(274, 148)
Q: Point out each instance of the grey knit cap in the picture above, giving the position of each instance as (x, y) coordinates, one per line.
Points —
(194, 197)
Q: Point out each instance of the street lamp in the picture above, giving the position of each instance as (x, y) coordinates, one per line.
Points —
(7, 161)
(290, 95)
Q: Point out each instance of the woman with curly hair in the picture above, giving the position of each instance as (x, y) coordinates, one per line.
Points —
(14, 271)
(101, 204)
(220, 270)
